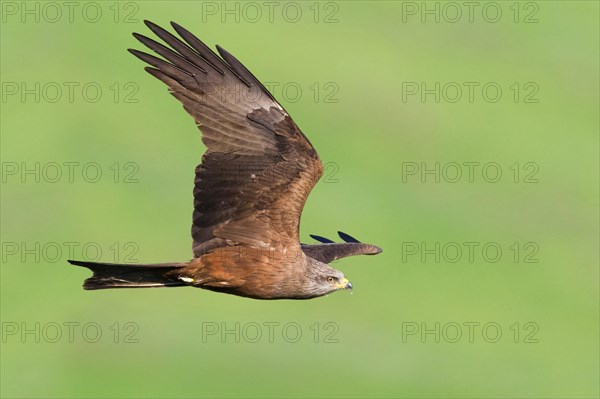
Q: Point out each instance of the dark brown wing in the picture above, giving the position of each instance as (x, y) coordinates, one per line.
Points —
(330, 251)
(258, 168)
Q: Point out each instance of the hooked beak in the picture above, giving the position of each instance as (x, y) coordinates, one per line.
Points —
(344, 285)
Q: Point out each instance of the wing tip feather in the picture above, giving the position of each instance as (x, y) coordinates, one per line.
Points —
(347, 237)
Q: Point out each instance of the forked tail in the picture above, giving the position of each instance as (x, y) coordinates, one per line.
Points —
(112, 275)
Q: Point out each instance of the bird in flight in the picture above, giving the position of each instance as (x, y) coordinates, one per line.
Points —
(250, 188)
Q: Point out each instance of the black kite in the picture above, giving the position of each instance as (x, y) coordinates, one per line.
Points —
(250, 188)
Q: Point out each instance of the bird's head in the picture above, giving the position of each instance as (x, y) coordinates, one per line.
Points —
(323, 279)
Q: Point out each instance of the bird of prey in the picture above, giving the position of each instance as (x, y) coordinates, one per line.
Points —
(250, 187)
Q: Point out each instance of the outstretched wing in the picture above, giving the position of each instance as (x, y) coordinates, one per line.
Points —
(259, 167)
(330, 251)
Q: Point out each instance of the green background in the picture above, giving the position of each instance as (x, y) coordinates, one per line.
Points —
(368, 135)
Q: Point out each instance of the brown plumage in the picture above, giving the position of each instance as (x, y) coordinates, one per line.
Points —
(250, 187)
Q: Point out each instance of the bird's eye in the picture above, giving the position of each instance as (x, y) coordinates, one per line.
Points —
(331, 279)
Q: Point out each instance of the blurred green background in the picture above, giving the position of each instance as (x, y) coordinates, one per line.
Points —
(353, 63)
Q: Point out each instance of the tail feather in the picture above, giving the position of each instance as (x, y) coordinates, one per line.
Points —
(112, 275)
